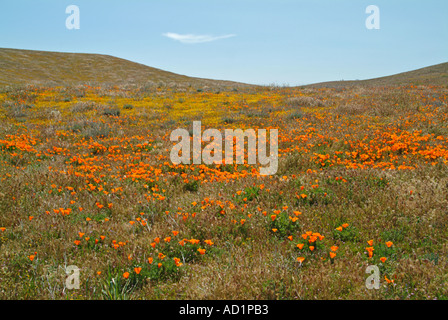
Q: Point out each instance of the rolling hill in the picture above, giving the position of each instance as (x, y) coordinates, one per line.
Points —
(432, 75)
(19, 67)
(56, 68)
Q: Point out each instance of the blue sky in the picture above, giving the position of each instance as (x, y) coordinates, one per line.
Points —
(255, 41)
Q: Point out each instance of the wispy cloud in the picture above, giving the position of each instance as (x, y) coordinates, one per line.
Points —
(195, 38)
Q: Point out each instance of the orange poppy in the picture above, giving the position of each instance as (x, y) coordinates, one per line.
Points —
(177, 262)
(388, 280)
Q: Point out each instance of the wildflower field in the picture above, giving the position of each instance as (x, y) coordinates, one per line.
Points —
(86, 180)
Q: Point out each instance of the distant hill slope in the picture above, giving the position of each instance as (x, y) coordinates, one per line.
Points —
(433, 75)
(58, 68)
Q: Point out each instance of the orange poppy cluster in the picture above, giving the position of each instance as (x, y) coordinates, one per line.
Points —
(371, 248)
(311, 243)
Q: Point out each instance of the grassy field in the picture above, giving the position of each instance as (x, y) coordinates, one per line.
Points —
(86, 180)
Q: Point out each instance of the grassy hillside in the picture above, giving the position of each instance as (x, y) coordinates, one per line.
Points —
(87, 179)
(56, 68)
(432, 75)
(18, 67)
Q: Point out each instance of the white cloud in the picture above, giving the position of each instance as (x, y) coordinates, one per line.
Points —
(195, 38)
